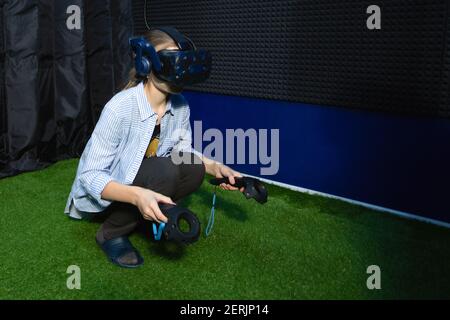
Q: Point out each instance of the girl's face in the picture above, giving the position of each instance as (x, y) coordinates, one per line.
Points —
(163, 85)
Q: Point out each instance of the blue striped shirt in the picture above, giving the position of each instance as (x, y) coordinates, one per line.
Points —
(118, 143)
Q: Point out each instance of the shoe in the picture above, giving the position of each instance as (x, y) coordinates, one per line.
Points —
(121, 252)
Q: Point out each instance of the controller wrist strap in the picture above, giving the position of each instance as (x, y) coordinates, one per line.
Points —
(157, 232)
(211, 217)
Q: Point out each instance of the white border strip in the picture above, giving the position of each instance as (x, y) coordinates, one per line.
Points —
(402, 214)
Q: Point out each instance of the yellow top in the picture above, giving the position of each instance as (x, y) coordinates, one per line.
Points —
(152, 147)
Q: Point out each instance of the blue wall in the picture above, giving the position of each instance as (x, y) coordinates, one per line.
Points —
(398, 162)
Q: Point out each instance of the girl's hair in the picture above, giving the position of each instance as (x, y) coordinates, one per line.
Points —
(156, 38)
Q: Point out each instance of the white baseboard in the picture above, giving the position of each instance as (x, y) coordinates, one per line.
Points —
(359, 203)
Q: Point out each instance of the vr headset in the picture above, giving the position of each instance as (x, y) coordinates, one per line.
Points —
(182, 67)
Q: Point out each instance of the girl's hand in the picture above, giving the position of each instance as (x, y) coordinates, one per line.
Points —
(147, 203)
(221, 171)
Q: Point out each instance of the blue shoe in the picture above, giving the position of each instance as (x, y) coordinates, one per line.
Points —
(121, 252)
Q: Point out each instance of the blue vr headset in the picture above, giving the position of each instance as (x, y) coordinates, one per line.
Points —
(185, 66)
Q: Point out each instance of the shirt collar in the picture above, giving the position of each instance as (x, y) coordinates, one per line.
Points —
(145, 108)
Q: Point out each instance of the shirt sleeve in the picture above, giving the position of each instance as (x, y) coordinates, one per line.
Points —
(185, 140)
(99, 154)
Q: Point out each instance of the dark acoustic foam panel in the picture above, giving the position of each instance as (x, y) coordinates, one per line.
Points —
(320, 51)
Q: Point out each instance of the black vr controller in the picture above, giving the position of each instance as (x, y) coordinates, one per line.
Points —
(253, 188)
(171, 229)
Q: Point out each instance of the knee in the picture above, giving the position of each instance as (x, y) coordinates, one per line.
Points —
(169, 173)
(197, 174)
(168, 178)
(160, 175)
(193, 171)
(192, 176)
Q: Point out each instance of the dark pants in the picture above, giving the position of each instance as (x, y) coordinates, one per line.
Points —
(158, 174)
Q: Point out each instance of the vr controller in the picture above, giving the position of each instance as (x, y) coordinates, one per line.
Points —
(171, 230)
(253, 188)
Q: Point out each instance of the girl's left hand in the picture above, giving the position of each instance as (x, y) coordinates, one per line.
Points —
(221, 171)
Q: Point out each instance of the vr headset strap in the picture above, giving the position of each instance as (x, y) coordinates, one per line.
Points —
(182, 42)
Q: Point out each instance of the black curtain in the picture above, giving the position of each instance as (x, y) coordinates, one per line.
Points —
(55, 77)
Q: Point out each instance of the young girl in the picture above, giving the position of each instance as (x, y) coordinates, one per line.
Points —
(126, 167)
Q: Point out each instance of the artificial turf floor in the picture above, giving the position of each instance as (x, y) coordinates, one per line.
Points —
(296, 246)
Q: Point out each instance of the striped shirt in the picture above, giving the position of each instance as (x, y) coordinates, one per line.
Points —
(118, 143)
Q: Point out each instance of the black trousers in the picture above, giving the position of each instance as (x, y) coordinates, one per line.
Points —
(158, 174)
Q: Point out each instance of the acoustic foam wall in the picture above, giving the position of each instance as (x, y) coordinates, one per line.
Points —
(319, 51)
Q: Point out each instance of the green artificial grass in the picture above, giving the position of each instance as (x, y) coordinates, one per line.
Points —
(296, 246)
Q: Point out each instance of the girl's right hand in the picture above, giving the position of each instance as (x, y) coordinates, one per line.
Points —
(147, 203)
